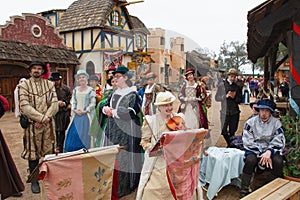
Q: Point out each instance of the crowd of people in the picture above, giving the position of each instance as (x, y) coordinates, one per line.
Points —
(119, 113)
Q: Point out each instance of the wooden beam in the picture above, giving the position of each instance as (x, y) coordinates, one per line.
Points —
(132, 2)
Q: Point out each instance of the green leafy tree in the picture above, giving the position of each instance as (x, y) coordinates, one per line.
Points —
(232, 55)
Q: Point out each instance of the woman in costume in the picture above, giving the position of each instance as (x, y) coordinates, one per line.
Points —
(83, 109)
(154, 183)
(100, 120)
(124, 128)
(191, 96)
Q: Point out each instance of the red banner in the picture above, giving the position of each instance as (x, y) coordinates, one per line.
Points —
(182, 151)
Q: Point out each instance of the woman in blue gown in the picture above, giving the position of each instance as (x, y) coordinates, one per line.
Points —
(83, 109)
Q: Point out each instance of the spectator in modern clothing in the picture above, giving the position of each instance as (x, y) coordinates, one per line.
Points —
(252, 87)
(284, 88)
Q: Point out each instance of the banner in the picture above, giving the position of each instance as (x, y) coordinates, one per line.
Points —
(112, 58)
(80, 176)
(183, 163)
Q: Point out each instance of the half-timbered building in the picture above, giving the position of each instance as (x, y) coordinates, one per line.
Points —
(101, 32)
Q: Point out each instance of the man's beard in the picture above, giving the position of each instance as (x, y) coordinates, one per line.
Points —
(36, 75)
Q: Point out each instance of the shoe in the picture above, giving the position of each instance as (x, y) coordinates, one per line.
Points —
(35, 188)
(17, 194)
(244, 193)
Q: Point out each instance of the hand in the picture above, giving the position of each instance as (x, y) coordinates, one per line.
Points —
(61, 103)
(46, 120)
(265, 159)
(231, 94)
(79, 112)
(147, 146)
(108, 111)
(38, 125)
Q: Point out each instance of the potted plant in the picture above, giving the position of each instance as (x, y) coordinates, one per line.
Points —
(291, 151)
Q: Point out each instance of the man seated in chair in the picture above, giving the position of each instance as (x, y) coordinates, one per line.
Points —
(263, 140)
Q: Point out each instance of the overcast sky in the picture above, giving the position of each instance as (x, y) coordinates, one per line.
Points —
(203, 23)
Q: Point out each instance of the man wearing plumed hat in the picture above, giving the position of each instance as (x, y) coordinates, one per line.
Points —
(62, 117)
(38, 101)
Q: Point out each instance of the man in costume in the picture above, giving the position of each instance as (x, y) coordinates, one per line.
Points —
(38, 101)
(230, 96)
(263, 140)
(62, 117)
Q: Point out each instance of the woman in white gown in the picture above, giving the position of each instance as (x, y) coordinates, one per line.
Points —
(153, 182)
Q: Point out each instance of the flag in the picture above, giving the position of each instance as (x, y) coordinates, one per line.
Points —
(112, 58)
(78, 175)
(182, 151)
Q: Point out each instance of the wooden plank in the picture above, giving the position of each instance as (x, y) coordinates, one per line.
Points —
(285, 192)
(295, 196)
(282, 104)
(266, 190)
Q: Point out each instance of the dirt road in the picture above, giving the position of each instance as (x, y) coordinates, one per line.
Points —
(13, 134)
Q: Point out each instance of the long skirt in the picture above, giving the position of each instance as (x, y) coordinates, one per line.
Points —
(77, 135)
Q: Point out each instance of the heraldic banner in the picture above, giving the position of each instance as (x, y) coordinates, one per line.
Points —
(79, 175)
(182, 151)
(112, 58)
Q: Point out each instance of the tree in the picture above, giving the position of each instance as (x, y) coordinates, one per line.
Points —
(232, 55)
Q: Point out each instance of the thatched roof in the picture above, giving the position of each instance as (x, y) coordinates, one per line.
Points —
(18, 51)
(199, 61)
(83, 14)
(268, 24)
(138, 25)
